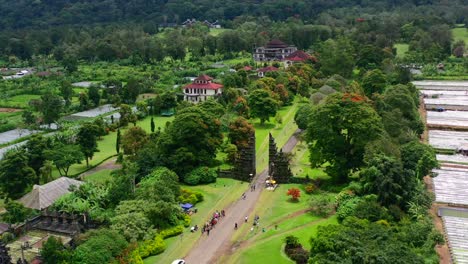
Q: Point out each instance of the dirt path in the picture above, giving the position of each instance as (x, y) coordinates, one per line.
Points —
(107, 165)
(209, 249)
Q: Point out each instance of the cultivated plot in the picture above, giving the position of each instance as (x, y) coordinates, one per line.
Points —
(451, 185)
(456, 229)
(441, 139)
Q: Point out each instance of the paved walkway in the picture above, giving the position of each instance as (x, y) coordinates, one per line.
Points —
(209, 249)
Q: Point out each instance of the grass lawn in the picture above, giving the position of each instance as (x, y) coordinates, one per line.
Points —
(19, 101)
(300, 164)
(106, 145)
(460, 34)
(401, 48)
(217, 31)
(281, 133)
(270, 250)
(99, 177)
(217, 196)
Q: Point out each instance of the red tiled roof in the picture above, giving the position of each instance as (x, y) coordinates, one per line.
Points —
(268, 69)
(298, 55)
(203, 77)
(276, 44)
(206, 86)
(247, 68)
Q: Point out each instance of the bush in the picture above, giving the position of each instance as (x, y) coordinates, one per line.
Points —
(201, 175)
(7, 237)
(347, 208)
(310, 188)
(295, 251)
(170, 232)
(321, 205)
(152, 247)
(188, 196)
(187, 220)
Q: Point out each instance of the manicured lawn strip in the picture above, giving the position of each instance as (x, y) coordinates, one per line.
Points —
(272, 207)
(106, 145)
(401, 48)
(281, 133)
(300, 164)
(216, 197)
(99, 177)
(19, 101)
(460, 34)
(270, 250)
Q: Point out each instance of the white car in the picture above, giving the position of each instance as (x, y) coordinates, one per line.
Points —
(178, 261)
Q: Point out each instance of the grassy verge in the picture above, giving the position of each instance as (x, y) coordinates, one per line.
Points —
(281, 132)
(460, 34)
(99, 177)
(217, 196)
(300, 164)
(106, 145)
(401, 49)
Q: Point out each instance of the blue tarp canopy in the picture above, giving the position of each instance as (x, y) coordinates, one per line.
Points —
(186, 206)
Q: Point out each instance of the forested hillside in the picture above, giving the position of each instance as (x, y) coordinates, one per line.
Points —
(44, 13)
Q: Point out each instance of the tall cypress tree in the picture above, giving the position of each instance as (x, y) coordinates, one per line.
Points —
(117, 142)
(152, 125)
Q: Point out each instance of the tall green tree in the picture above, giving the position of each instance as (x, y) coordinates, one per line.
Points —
(374, 81)
(16, 176)
(339, 130)
(66, 90)
(87, 140)
(117, 141)
(63, 156)
(51, 107)
(94, 95)
(53, 252)
(262, 105)
(133, 140)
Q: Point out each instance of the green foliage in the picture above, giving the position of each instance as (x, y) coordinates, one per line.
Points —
(321, 205)
(338, 131)
(201, 175)
(386, 177)
(63, 156)
(51, 107)
(15, 212)
(15, 174)
(133, 140)
(133, 226)
(53, 252)
(262, 105)
(87, 140)
(360, 241)
(374, 82)
(302, 116)
(419, 157)
(347, 208)
(189, 196)
(93, 252)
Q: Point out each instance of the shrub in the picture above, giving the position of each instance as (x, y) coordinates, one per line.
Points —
(187, 220)
(310, 188)
(7, 237)
(152, 247)
(295, 251)
(170, 232)
(295, 193)
(188, 196)
(321, 205)
(347, 208)
(201, 175)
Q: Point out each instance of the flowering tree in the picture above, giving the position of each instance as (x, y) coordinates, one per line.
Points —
(295, 193)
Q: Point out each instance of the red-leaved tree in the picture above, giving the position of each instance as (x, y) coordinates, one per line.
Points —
(295, 193)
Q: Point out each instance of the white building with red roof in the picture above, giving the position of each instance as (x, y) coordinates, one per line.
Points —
(298, 56)
(275, 50)
(201, 89)
(262, 71)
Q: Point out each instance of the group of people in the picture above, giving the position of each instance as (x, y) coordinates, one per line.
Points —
(209, 225)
